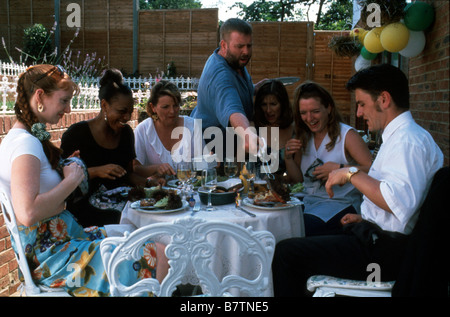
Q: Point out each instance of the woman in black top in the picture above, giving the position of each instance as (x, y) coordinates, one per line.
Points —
(106, 145)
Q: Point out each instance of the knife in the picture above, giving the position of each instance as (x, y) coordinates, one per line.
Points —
(247, 212)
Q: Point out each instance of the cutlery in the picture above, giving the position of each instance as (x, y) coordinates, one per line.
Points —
(247, 212)
(195, 209)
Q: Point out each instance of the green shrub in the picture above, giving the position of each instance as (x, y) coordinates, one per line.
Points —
(37, 43)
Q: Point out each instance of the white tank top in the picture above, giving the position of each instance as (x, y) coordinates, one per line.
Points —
(317, 202)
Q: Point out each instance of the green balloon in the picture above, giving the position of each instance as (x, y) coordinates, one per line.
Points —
(367, 55)
(418, 16)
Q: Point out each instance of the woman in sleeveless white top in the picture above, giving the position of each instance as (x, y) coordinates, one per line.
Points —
(323, 143)
(317, 202)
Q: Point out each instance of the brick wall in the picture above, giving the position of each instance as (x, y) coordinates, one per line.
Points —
(429, 80)
(9, 278)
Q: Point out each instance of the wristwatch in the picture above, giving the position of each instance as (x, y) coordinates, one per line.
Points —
(352, 171)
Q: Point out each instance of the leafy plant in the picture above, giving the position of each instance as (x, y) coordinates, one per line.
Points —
(37, 43)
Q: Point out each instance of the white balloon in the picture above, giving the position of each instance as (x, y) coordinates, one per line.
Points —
(416, 44)
(361, 63)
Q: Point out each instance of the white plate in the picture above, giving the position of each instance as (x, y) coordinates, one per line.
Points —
(137, 206)
(291, 203)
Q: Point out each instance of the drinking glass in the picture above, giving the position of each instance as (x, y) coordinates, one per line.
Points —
(183, 174)
(209, 181)
(231, 169)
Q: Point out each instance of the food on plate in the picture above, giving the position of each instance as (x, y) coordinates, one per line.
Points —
(136, 193)
(278, 193)
(158, 197)
(297, 188)
(173, 201)
(146, 202)
(278, 186)
(269, 196)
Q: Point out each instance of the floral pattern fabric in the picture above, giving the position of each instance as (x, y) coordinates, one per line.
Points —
(62, 254)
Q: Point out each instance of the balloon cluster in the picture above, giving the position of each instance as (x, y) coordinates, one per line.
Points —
(406, 37)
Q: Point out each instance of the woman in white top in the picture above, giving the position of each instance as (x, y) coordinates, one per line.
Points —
(322, 144)
(165, 138)
(52, 238)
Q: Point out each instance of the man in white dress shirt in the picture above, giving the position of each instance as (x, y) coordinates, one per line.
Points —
(393, 191)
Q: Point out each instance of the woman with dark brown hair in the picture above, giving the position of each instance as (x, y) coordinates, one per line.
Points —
(60, 252)
(273, 111)
(322, 144)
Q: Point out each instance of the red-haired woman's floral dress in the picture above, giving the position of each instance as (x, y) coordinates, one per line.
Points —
(63, 254)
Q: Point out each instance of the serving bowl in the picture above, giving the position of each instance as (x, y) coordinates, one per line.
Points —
(218, 198)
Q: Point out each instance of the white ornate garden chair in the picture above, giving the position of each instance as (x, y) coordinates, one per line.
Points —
(329, 286)
(189, 247)
(28, 285)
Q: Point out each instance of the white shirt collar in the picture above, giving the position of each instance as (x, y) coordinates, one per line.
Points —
(397, 122)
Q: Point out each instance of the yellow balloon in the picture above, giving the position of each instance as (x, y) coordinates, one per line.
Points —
(394, 37)
(359, 33)
(372, 41)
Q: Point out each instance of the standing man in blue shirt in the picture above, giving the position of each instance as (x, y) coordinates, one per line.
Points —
(225, 91)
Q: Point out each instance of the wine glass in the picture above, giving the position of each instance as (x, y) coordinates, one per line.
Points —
(209, 181)
(183, 174)
(231, 168)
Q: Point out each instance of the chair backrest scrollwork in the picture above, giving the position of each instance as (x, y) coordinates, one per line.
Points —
(189, 246)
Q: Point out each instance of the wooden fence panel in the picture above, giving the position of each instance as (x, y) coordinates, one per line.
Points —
(295, 49)
(184, 37)
(333, 72)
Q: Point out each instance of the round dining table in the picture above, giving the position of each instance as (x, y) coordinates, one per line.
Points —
(283, 223)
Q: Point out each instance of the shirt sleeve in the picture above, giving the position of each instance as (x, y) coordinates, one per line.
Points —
(227, 98)
(404, 183)
(29, 145)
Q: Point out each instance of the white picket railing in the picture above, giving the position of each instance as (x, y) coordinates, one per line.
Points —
(88, 97)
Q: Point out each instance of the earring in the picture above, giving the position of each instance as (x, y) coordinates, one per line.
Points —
(106, 119)
(40, 107)
(155, 117)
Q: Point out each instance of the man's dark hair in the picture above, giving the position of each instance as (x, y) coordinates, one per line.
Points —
(379, 78)
(235, 25)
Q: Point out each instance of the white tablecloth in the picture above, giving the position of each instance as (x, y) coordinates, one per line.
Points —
(283, 224)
